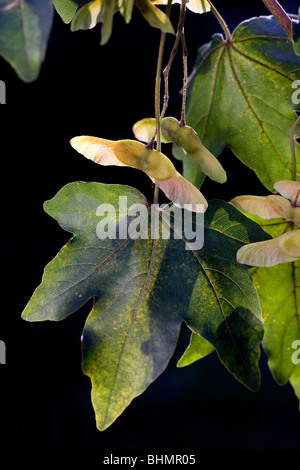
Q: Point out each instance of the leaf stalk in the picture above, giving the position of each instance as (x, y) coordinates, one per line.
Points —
(221, 21)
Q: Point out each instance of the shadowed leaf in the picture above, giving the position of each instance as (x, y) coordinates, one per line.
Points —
(296, 36)
(144, 289)
(25, 26)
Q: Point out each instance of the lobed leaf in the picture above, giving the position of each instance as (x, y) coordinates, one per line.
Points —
(278, 288)
(240, 96)
(144, 288)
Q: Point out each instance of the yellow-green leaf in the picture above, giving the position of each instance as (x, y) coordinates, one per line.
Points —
(197, 349)
(88, 16)
(155, 17)
(196, 6)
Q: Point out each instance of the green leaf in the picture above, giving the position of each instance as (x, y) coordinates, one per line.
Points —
(66, 9)
(155, 17)
(97, 11)
(25, 26)
(240, 96)
(197, 349)
(278, 288)
(89, 15)
(125, 8)
(295, 382)
(108, 18)
(144, 288)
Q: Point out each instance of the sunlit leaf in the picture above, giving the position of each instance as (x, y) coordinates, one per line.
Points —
(66, 9)
(97, 11)
(278, 288)
(88, 16)
(197, 349)
(196, 6)
(125, 8)
(155, 17)
(108, 15)
(240, 96)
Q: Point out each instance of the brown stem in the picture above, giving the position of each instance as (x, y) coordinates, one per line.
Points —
(157, 94)
(185, 72)
(171, 59)
(281, 16)
(293, 151)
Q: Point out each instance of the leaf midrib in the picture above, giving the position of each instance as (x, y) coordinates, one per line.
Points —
(148, 277)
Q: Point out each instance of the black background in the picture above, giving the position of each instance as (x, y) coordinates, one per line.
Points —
(44, 397)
